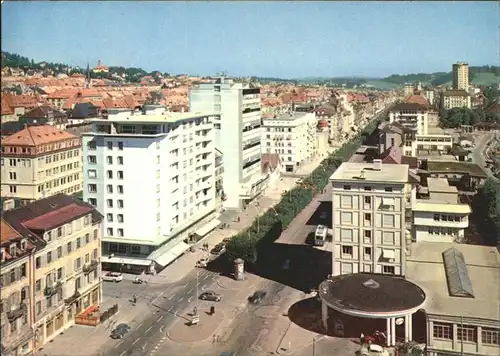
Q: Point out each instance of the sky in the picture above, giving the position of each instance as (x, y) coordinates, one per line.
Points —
(275, 39)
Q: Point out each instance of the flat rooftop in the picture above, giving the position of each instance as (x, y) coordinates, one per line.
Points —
(425, 267)
(288, 116)
(434, 130)
(450, 167)
(432, 206)
(354, 171)
(440, 185)
(170, 117)
(371, 293)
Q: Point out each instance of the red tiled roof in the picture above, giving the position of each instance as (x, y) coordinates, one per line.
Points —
(417, 99)
(37, 135)
(57, 217)
(8, 233)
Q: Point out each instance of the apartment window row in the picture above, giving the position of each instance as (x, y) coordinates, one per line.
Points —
(92, 188)
(14, 275)
(110, 217)
(61, 156)
(61, 251)
(68, 229)
(442, 231)
(279, 129)
(367, 188)
(346, 202)
(466, 333)
(14, 162)
(388, 220)
(111, 232)
(92, 145)
(119, 160)
(347, 235)
(347, 268)
(450, 218)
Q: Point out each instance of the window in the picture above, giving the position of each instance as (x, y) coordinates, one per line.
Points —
(92, 173)
(366, 188)
(347, 250)
(38, 308)
(87, 238)
(92, 188)
(92, 201)
(368, 200)
(109, 188)
(368, 217)
(120, 189)
(120, 232)
(59, 273)
(368, 234)
(109, 174)
(388, 189)
(69, 247)
(59, 252)
(12, 188)
(346, 201)
(388, 220)
(91, 145)
(109, 159)
(388, 238)
(120, 159)
(78, 242)
(467, 333)
(120, 174)
(110, 145)
(368, 253)
(120, 218)
(436, 217)
(92, 159)
(109, 203)
(109, 217)
(120, 203)
(490, 336)
(347, 187)
(346, 218)
(12, 175)
(110, 231)
(96, 234)
(346, 234)
(49, 257)
(38, 262)
(388, 269)
(120, 145)
(346, 268)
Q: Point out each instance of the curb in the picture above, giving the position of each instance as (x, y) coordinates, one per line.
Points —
(316, 338)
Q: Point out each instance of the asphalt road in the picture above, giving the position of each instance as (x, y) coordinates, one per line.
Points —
(168, 306)
(249, 325)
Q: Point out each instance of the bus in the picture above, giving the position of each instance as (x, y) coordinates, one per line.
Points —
(320, 235)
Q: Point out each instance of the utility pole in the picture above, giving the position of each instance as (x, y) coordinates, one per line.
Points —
(314, 346)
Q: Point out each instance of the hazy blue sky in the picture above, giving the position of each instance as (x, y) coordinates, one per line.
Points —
(282, 39)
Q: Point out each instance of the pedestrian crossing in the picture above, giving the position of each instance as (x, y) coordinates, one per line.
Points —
(158, 346)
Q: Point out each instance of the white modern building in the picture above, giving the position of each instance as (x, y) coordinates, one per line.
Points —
(153, 179)
(292, 136)
(369, 201)
(238, 133)
(440, 218)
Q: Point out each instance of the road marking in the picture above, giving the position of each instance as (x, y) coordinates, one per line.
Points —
(123, 353)
(161, 317)
(121, 342)
(206, 277)
(161, 328)
(189, 300)
(189, 291)
(180, 300)
(136, 341)
(138, 326)
(163, 338)
(170, 298)
(172, 307)
(148, 330)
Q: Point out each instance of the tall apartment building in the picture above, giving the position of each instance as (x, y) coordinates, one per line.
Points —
(153, 179)
(16, 276)
(292, 136)
(369, 218)
(63, 272)
(40, 161)
(238, 135)
(461, 76)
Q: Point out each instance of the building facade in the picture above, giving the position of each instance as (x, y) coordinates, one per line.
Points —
(455, 99)
(460, 76)
(293, 137)
(153, 179)
(65, 268)
(238, 133)
(369, 202)
(16, 300)
(40, 161)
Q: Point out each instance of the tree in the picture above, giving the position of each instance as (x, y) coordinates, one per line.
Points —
(491, 191)
(491, 94)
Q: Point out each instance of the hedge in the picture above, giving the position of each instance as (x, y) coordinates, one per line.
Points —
(245, 244)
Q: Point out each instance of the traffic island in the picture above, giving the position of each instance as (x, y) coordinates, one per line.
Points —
(229, 283)
(183, 331)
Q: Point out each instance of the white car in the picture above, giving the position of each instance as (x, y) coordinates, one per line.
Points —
(113, 277)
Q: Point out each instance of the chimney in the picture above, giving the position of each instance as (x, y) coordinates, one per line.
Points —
(377, 164)
(8, 204)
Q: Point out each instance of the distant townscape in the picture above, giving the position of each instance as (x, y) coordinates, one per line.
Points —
(146, 213)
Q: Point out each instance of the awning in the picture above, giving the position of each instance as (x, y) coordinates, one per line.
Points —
(204, 230)
(170, 255)
(388, 201)
(126, 261)
(389, 254)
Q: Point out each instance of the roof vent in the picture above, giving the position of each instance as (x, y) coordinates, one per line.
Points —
(377, 164)
(371, 284)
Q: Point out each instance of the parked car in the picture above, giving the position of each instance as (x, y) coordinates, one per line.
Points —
(257, 297)
(120, 331)
(218, 249)
(226, 240)
(372, 350)
(202, 263)
(113, 277)
(211, 296)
